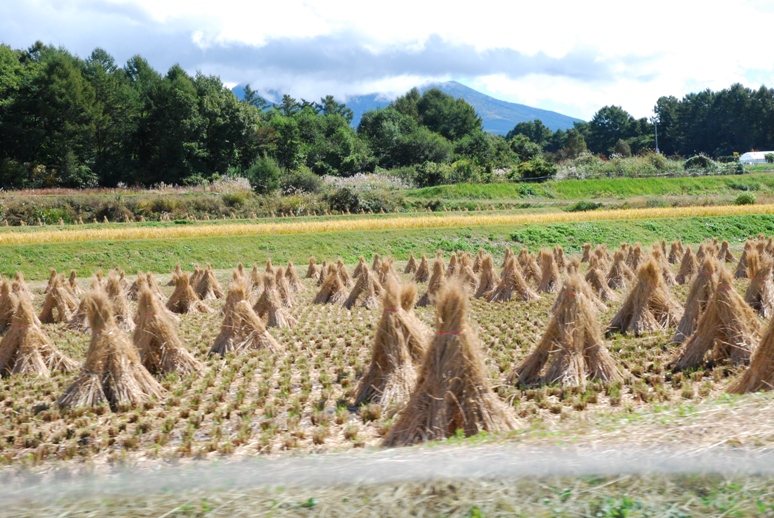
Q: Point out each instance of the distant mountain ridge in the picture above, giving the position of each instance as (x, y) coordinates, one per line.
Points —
(498, 117)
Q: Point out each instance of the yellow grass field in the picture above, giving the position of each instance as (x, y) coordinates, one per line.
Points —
(288, 226)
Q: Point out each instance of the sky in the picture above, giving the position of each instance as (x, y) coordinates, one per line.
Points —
(568, 56)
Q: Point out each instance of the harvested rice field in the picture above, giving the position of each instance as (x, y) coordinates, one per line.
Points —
(299, 396)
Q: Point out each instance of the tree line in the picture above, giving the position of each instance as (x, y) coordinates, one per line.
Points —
(73, 122)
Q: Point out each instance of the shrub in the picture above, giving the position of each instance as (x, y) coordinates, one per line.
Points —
(264, 175)
(583, 206)
(538, 169)
(700, 162)
(746, 198)
(769, 157)
(234, 199)
(301, 180)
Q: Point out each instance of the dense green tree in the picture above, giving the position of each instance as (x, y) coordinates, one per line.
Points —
(607, 126)
(534, 130)
(449, 117)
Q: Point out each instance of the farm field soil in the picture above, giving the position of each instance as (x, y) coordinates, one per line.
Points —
(161, 255)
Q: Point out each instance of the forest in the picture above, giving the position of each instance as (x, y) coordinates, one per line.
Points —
(66, 121)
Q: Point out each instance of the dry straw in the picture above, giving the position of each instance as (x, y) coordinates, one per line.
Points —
(333, 289)
(270, 305)
(60, 304)
(119, 304)
(367, 289)
(312, 269)
(689, 265)
(184, 300)
(666, 270)
(283, 288)
(635, 258)
(760, 292)
(391, 375)
(207, 287)
(434, 285)
(595, 277)
(9, 299)
(620, 275)
(411, 265)
(675, 253)
(571, 349)
(452, 393)
(649, 306)
(423, 270)
(359, 267)
(725, 254)
(586, 252)
(242, 329)
(512, 285)
(728, 328)
(376, 265)
(26, 349)
(291, 274)
(477, 263)
(760, 374)
(741, 266)
(341, 269)
(549, 277)
(256, 280)
(489, 279)
(112, 372)
(161, 350)
(700, 292)
(559, 259)
(453, 267)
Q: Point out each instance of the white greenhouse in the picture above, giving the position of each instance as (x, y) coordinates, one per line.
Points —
(754, 157)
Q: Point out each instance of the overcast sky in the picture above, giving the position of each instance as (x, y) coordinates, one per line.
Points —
(569, 56)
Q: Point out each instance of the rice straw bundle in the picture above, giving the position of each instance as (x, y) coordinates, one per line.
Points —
(702, 252)
(376, 265)
(559, 259)
(270, 268)
(452, 392)
(571, 349)
(728, 328)
(291, 274)
(586, 252)
(489, 278)
(507, 255)
(184, 300)
(675, 254)
(391, 375)
(333, 290)
(620, 275)
(689, 265)
(367, 285)
(649, 306)
(388, 272)
(256, 280)
(522, 258)
(603, 256)
(477, 262)
(532, 270)
(434, 285)
(666, 271)
(312, 270)
(270, 305)
(760, 292)
(51, 276)
(60, 304)
(324, 271)
(26, 349)
(112, 372)
(283, 288)
(9, 299)
(512, 285)
(242, 330)
(452, 269)
(760, 374)
(724, 254)
(359, 267)
(549, 276)
(22, 286)
(208, 287)
(161, 350)
(411, 265)
(635, 258)
(741, 266)
(122, 280)
(423, 271)
(72, 282)
(701, 290)
(196, 277)
(119, 305)
(418, 333)
(595, 277)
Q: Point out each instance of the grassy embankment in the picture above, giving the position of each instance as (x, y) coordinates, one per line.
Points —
(613, 188)
(163, 252)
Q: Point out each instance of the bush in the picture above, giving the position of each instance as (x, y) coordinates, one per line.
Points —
(746, 198)
(264, 175)
(700, 162)
(301, 180)
(538, 169)
(234, 200)
(583, 206)
(769, 157)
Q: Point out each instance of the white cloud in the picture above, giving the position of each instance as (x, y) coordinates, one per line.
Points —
(568, 56)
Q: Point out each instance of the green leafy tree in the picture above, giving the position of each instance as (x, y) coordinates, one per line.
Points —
(608, 125)
(443, 114)
(264, 175)
(534, 130)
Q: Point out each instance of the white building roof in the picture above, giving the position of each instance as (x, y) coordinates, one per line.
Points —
(754, 155)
